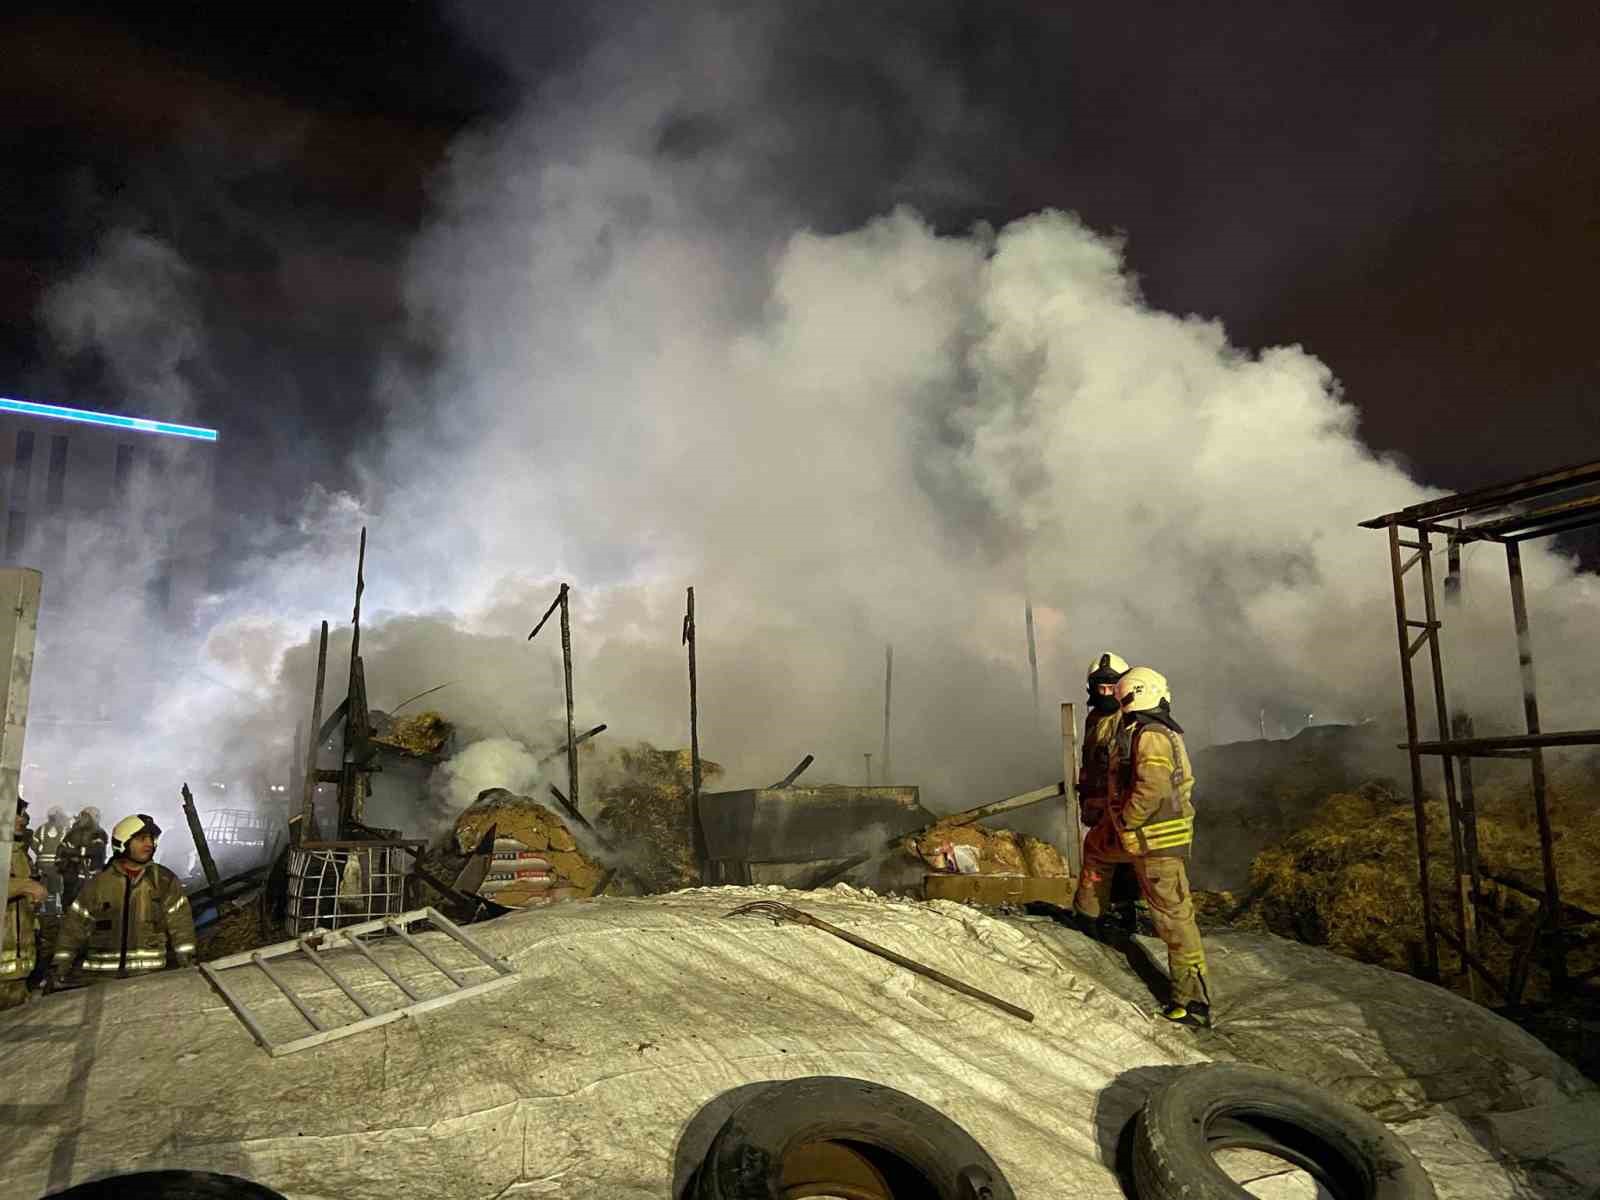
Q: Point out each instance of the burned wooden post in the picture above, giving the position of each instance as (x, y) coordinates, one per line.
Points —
(308, 815)
(207, 864)
(357, 724)
(1069, 788)
(566, 664)
(794, 774)
(868, 757)
(888, 694)
(697, 830)
(1468, 883)
(1033, 658)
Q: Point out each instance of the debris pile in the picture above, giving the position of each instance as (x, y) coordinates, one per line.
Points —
(536, 859)
(645, 796)
(999, 851)
(426, 735)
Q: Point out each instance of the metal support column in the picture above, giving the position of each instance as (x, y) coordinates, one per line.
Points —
(1465, 925)
(1530, 705)
(1408, 687)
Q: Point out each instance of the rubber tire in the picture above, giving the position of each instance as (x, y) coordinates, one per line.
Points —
(168, 1185)
(745, 1159)
(1206, 1108)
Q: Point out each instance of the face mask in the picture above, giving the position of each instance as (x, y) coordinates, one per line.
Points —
(1103, 704)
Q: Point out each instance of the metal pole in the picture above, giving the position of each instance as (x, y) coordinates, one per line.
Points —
(697, 831)
(1530, 705)
(1033, 657)
(566, 666)
(1069, 777)
(1430, 940)
(1461, 729)
(888, 693)
(308, 815)
(347, 784)
(1466, 928)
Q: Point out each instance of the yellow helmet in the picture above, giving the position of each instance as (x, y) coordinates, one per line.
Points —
(1108, 668)
(125, 830)
(1142, 689)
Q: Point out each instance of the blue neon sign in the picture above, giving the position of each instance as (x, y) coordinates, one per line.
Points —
(83, 416)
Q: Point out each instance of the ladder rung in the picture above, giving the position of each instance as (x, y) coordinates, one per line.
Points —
(1426, 624)
(1410, 545)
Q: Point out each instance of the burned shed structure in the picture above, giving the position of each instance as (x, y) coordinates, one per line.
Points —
(1509, 514)
(794, 835)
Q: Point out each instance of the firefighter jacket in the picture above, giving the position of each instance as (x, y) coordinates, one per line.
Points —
(48, 844)
(83, 849)
(124, 925)
(1094, 776)
(17, 951)
(1151, 783)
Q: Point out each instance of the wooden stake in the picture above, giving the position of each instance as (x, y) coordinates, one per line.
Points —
(566, 666)
(1033, 658)
(308, 815)
(1069, 777)
(888, 693)
(207, 864)
(698, 832)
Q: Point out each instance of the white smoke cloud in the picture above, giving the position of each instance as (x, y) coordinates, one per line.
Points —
(490, 763)
(657, 376)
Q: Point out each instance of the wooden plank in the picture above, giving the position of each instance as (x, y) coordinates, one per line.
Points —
(207, 863)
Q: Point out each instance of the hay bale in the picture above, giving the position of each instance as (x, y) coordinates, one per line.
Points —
(646, 796)
(525, 820)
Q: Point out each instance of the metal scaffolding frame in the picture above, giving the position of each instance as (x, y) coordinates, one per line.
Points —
(1512, 513)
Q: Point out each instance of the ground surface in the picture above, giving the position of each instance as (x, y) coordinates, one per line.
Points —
(631, 1015)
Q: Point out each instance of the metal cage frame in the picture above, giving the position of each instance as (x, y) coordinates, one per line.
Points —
(1537, 506)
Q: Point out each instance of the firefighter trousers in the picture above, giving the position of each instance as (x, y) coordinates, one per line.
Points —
(1164, 881)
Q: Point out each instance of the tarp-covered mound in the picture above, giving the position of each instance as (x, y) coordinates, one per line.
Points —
(630, 1015)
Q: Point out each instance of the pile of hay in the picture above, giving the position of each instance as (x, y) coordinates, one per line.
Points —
(1348, 879)
(1000, 851)
(426, 735)
(645, 796)
(525, 820)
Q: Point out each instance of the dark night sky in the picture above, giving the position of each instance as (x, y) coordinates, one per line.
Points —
(1413, 195)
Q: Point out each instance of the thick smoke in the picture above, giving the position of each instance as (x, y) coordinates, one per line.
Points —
(659, 373)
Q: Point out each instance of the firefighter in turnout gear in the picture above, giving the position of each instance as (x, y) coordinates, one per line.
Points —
(46, 851)
(1149, 822)
(126, 919)
(1094, 777)
(23, 893)
(82, 853)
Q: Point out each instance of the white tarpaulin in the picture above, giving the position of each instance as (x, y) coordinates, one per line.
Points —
(630, 1016)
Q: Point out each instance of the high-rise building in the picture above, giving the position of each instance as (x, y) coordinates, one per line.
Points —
(127, 491)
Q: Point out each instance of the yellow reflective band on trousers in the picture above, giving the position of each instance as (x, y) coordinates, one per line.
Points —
(1162, 835)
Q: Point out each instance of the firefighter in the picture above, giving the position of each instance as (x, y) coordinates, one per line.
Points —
(82, 854)
(23, 893)
(127, 918)
(1149, 822)
(1094, 780)
(47, 849)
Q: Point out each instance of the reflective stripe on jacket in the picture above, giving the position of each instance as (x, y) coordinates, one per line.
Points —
(124, 925)
(1151, 783)
(17, 951)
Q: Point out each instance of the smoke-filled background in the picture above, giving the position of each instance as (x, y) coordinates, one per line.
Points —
(869, 325)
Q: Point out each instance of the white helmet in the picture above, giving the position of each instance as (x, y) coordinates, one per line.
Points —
(1108, 668)
(1142, 689)
(125, 830)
